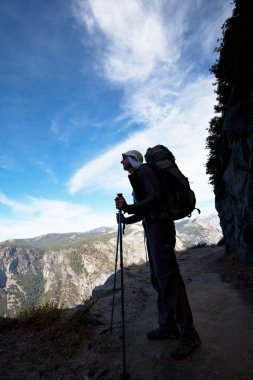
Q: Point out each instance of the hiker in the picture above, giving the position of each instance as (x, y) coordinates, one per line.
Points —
(174, 312)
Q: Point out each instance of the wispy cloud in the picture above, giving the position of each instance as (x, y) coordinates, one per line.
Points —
(134, 38)
(6, 162)
(146, 48)
(49, 172)
(67, 122)
(148, 57)
(181, 128)
(38, 216)
(16, 207)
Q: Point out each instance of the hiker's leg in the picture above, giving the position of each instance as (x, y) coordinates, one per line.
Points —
(160, 261)
(173, 291)
(161, 241)
(166, 316)
(173, 297)
(176, 296)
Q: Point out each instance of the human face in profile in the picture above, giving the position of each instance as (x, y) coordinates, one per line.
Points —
(126, 164)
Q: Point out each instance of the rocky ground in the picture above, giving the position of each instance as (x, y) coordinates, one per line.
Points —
(220, 290)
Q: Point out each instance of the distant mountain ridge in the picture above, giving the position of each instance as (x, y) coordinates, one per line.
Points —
(66, 267)
(193, 231)
(61, 237)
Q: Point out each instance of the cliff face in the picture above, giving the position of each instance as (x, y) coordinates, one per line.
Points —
(59, 268)
(65, 268)
(64, 276)
(235, 201)
(231, 132)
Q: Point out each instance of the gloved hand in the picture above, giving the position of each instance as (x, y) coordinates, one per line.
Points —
(120, 203)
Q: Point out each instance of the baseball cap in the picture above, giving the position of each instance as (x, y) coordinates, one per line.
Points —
(135, 154)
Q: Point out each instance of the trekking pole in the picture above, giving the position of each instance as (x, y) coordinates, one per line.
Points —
(122, 295)
(119, 247)
(145, 242)
(115, 272)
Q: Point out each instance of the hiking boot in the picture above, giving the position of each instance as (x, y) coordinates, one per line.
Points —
(186, 347)
(157, 334)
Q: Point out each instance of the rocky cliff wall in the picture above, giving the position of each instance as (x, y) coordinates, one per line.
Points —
(66, 268)
(65, 275)
(234, 201)
(231, 131)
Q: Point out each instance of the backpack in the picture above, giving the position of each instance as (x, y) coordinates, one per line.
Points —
(178, 197)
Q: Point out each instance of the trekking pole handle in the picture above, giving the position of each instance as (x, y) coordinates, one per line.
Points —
(120, 216)
(120, 195)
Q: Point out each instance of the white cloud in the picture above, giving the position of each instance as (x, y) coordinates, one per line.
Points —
(209, 25)
(143, 46)
(154, 51)
(182, 128)
(6, 162)
(135, 38)
(19, 208)
(39, 216)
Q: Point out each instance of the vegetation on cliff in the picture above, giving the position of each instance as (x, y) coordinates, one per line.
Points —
(233, 69)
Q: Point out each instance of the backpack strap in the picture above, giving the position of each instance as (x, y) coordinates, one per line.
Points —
(137, 185)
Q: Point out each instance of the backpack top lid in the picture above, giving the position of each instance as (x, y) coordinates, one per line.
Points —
(158, 153)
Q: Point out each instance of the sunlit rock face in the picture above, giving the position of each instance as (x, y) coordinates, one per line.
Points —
(65, 268)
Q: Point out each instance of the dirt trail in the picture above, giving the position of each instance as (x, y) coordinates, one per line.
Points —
(223, 317)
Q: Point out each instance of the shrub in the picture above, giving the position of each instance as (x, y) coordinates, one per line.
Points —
(65, 328)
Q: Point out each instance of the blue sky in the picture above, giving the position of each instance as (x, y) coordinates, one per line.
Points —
(83, 81)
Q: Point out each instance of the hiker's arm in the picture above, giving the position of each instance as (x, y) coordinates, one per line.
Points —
(152, 189)
(133, 218)
(130, 219)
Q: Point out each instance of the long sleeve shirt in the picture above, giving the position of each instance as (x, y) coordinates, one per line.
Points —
(147, 194)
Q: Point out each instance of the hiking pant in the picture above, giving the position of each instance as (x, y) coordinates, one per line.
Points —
(172, 303)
